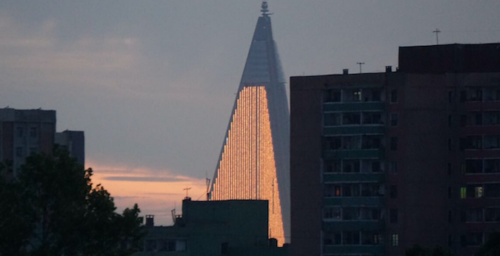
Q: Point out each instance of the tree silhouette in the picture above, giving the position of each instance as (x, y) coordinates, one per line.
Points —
(492, 246)
(54, 209)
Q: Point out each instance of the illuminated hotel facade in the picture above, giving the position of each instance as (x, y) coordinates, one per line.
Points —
(254, 159)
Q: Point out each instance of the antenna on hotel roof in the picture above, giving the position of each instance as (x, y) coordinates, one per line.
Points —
(437, 31)
(265, 10)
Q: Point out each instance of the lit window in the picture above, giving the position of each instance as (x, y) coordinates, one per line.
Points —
(394, 239)
(463, 192)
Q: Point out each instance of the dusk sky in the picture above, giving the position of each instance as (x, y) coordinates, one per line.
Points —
(152, 83)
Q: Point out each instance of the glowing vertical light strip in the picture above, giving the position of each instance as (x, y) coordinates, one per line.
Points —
(248, 169)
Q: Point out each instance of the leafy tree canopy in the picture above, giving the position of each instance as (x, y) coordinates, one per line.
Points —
(52, 208)
(492, 246)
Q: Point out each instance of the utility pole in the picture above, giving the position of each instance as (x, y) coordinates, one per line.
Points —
(437, 31)
(360, 64)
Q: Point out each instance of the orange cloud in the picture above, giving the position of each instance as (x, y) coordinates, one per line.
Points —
(156, 192)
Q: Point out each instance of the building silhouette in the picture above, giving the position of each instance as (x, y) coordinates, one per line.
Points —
(25, 132)
(383, 161)
(254, 159)
(229, 227)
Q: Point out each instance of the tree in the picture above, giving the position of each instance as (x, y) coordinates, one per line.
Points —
(492, 246)
(56, 210)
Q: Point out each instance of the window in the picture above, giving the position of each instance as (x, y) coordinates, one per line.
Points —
(449, 120)
(376, 166)
(492, 165)
(350, 213)
(471, 142)
(394, 143)
(332, 238)
(19, 152)
(370, 213)
(350, 118)
(491, 142)
(33, 132)
(473, 166)
(492, 214)
(491, 94)
(450, 216)
(333, 143)
(352, 95)
(449, 193)
(20, 132)
(492, 190)
(474, 239)
(333, 95)
(371, 94)
(474, 215)
(371, 142)
(393, 191)
(463, 192)
(370, 238)
(478, 118)
(393, 166)
(394, 239)
(351, 166)
(351, 142)
(450, 97)
(332, 166)
(350, 190)
(449, 168)
(332, 213)
(463, 120)
(394, 216)
(491, 118)
(394, 119)
(333, 190)
(394, 96)
(351, 238)
(372, 118)
(371, 189)
(332, 119)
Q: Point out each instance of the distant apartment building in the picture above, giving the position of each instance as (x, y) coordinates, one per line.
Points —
(212, 228)
(383, 161)
(24, 132)
(73, 142)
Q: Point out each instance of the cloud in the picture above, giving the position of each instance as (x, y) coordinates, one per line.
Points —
(156, 191)
(144, 179)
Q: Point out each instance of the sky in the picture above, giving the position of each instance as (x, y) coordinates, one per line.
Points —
(152, 82)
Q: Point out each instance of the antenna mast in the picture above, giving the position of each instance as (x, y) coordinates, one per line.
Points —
(264, 10)
(437, 31)
(360, 64)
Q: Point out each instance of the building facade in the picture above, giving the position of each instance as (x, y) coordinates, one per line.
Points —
(25, 132)
(383, 161)
(212, 228)
(254, 159)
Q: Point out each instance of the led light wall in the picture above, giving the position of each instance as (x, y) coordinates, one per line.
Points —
(247, 168)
